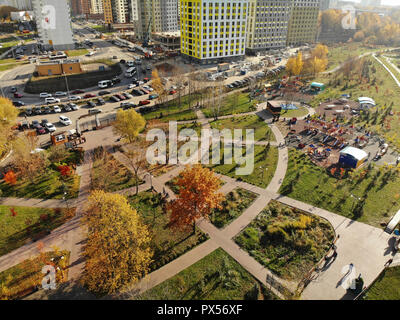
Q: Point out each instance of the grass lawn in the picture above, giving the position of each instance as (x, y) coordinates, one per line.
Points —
(287, 241)
(264, 167)
(171, 110)
(261, 130)
(110, 175)
(338, 55)
(215, 277)
(168, 244)
(381, 88)
(21, 280)
(4, 67)
(76, 53)
(235, 203)
(28, 224)
(48, 185)
(300, 112)
(386, 287)
(232, 104)
(309, 183)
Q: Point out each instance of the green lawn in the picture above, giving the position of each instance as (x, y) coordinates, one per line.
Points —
(266, 160)
(287, 241)
(309, 183)
(215, 277)
(338, 55)
(300, 112)
(235, 203)
(48, 185)
(171, 110)
(76, 53)
(168, 244)
(21, 280)
(233, 105)
(194, 126)
(386, 287)
(262, 131)
(28, 224)
(110, 175)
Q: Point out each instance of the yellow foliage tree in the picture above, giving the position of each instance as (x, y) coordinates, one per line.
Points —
(197, 197)
(295, 65)
(128, 124)
(8, 116)
(118, 246)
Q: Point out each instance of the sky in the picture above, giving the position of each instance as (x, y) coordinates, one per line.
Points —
(386, 2)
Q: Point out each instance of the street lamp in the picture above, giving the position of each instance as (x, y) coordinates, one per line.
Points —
(151, 179)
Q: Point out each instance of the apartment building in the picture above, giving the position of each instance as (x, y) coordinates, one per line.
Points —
(53, 21)
(267, 24)
(142, 17)
(169, 15)
(303, 22)
(108, 11)
(213, 31)
(19, 4)
(96, 7)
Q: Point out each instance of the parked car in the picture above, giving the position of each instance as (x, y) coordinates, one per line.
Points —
(18, 103)
(144, 102)
(127, 95)
(116, 80)
(131, 86)
(136, 92)
(50, 127)
(57, 109)
(46, 110)
(17, 95)
(103, 93)
(65, 121)
(37, 110)
(153, 96)
(146, 79)
(94, 111)
(114, 99)
(120, 97)
(51, 100)
(44, 95)
(43, 122)
(78, 91)
(89, 95)
(101, 102)
(75, 98)
(60, 94)
(127, 105)
(144, 90)
(172, 92)
(90, 104)
(28, 111)
(148, 88)
(13, 89)
(73, 106)
(67, 108)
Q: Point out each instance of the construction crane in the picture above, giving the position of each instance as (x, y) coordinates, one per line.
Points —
(146, 35)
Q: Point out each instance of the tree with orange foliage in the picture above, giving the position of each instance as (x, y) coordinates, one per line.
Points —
(197, 197)
(10, 178)
(65, 170)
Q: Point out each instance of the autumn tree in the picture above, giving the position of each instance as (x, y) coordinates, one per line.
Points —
(158, 86)
(128, 124)
(137, 159)
(197, 197)
(10, 178)
(295, 65)
(8, 116)
(118, 243)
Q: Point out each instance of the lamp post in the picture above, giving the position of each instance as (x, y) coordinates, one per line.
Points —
(151, 179)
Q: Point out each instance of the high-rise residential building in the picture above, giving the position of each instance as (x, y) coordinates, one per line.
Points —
(96, 6)
(19, 4)
(170, 15)
(213, 31)
(267, 24)
(121, 12)
(79, 7)
(303, 22)
(142, 17)
(53, 21)
(108, 11)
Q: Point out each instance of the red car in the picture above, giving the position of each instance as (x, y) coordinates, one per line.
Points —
(17, 95)
(78, 91)
(89, 95)
(146, 79)
(144, 102)
(172, 92)
(120, 97)
(144, 90)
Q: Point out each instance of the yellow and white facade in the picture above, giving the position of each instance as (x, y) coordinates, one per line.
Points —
(213, 30)
(267, 24)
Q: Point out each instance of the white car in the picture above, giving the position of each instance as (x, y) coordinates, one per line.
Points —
(74, 98)
(50, 127)
(148, 88)
(140, 83)
(131, 86)
(57, 109)
(45, 95)
(51, 100)
(60, 94)
(65, 121)
(74, 107)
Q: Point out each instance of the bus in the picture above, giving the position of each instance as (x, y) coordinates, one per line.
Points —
(130, 72)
